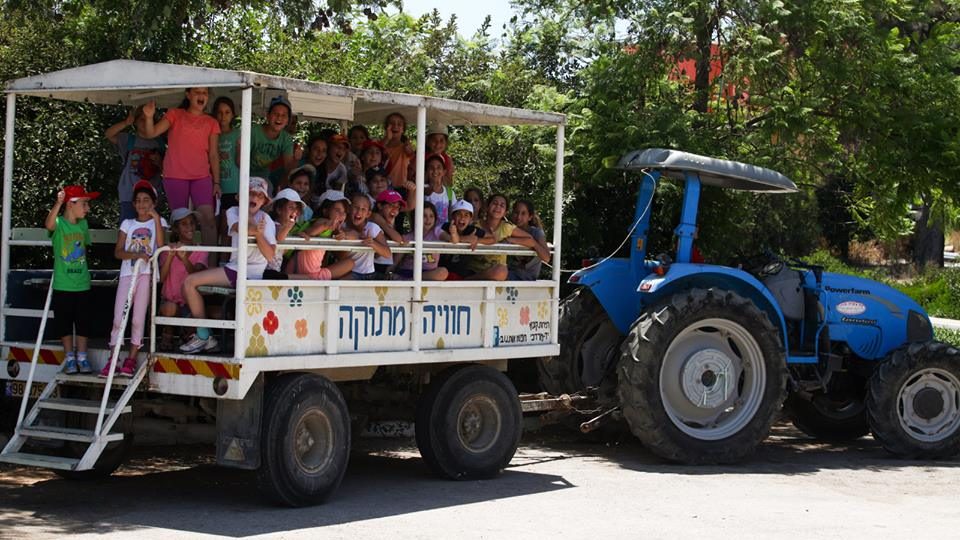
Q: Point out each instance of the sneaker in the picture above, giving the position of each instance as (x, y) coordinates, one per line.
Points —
(85, 366)
(129, 366)
(70, 366)
(105, 372)
(196, 344)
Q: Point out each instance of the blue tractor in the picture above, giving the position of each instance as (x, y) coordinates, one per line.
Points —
(700, 358)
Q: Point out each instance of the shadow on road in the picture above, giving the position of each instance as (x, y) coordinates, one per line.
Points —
(198, 497)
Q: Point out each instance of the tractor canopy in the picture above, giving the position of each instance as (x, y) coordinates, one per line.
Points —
(712, 171)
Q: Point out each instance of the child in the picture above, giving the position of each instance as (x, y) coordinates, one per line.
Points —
(336, 172)
(308, 263)
(70, 237)
(137, 240)
(377, 182)
(264, 231)
(359, 227)
(229, 144)
(175, 266)
(432, 271)
(399, 152)
(475, 198)
(527, 268)
(437, 193)
(371, 157)
(191, 166)
(286, 210)
(358, 135)
(301, 181)
(497, 227)
(389, 205)
(271, 146)
(141, 158)
(460, 229)
(437, 144)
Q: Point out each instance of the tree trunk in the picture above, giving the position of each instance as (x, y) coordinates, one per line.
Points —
(928, 239)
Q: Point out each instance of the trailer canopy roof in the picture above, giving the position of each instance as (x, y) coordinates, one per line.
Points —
(132, 82)
(712, 171)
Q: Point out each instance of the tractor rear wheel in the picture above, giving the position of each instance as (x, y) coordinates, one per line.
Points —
(702, 377)
(913, 402)
(589, 346)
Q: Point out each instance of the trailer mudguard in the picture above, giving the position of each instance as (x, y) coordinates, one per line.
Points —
(683, 276)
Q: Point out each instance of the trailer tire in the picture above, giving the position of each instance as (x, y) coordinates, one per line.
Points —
(469, 423)
(589, 346)
(913, 402)
(821, 420)
(674, 358)
(305, 441)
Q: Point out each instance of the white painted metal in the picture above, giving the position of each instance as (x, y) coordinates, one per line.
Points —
(557, 230)
(949, 324)
(418, 226)
(246, 118)
(36, 356)
(32, 313)
(7, 204)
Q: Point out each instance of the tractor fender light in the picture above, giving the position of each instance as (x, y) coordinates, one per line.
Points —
(574, 279)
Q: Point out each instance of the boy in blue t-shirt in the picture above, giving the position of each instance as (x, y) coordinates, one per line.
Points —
(71, 277)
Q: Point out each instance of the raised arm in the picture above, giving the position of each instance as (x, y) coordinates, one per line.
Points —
(151, 129)
(113, 132)
(51, 222)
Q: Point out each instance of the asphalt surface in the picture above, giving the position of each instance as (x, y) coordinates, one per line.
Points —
(557, 486)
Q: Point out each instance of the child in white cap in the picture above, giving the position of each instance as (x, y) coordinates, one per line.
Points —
(175, 266)
(264, 231)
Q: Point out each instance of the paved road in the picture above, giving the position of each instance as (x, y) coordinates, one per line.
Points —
(556, 486)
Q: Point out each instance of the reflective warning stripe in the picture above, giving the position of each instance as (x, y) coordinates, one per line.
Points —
(177, 366)
(47, 356)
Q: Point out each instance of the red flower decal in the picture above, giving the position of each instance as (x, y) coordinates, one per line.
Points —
(271, 322)
(525, 315)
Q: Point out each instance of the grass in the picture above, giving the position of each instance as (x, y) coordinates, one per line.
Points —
(947, 336)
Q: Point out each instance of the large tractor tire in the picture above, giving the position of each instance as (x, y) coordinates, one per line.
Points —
(469, 423)
(913, 402)
(702, 377)
(305, 443)
(589, 346)
(828, 420)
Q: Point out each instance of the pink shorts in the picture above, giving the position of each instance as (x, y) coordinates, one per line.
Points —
(310, 263)
(180, 192)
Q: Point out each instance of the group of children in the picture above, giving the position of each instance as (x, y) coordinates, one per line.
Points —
(342, 187)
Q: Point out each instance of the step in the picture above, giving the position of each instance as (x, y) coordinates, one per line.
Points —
(91, 379)
(65, 434)
(79, 405)
(40, 460)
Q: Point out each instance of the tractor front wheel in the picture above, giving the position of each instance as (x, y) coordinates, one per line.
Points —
(913, 402)
(702, 377)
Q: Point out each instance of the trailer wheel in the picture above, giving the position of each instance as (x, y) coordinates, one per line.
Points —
(305, 443)
(913, 402)
(589, 346)
(828, 420)
(702, 377)
(469, 423)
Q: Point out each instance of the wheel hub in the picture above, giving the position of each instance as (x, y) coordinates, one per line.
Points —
(479, 424)
(929, 405)
(708, 378)
(312, 440)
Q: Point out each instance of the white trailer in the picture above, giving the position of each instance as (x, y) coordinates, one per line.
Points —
(306, 354)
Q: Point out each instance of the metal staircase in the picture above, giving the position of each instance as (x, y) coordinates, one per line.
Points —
(107, 412)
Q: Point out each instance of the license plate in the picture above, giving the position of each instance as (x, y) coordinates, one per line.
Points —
(15, 389)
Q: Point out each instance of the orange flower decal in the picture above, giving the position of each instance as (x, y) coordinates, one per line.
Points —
(301, 326)
(525, 315)
(271, 322)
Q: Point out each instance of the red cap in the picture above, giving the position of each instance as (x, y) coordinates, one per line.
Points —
(370, 143)
(337, 138)
(145, 185)
(391, 196)
(75, 193)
